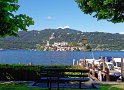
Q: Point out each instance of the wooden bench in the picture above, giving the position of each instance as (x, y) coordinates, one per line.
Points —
(57, 75)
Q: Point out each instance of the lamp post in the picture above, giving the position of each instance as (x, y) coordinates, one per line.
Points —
(122, 69)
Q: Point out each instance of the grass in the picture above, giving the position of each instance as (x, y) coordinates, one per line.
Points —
(9, 87)
(112, 86)
(24, 86)
(16, 86)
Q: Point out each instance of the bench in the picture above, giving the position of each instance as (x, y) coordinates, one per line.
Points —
(59, 75)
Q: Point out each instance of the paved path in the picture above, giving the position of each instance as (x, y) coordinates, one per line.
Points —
(85, 85)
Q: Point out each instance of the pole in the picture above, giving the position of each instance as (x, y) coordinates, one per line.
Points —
(73, 62)
(93, 69)
(77, 62)
(103, 64)
(100, 75)
(122, 69)
(107, 74)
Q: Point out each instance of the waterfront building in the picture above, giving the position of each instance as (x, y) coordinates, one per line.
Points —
(48, 44)
(60, 44)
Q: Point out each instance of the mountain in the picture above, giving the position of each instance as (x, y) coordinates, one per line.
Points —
(29, 39)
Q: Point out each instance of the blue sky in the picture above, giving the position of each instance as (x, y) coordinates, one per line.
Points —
(61, 13)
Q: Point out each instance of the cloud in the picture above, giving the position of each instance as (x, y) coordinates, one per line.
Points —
(66, 27)
(50, 17)
(63, 27)
(121, 33)
(59, 27)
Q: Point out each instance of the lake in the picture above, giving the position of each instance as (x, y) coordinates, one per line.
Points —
(51, 57)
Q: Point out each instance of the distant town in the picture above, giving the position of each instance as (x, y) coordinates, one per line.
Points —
(64, 46)
(59, 46)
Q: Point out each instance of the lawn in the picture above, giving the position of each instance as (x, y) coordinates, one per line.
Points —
(24, 86)
(112, 86)
(16, 86)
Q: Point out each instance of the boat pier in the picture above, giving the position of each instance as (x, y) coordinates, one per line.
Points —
(100, 70)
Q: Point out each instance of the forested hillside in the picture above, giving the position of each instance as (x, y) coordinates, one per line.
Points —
(97, 40)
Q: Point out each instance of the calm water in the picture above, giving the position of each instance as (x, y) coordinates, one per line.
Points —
(50, 57)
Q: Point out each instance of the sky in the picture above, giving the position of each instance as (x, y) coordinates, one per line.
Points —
(64, 13)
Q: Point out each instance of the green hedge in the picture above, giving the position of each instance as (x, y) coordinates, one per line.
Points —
(22, 72)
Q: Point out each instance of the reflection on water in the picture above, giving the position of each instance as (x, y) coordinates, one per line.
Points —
(59, 55)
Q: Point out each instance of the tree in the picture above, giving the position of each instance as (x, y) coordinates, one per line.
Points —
(88, 48)
(11, 23)
(111, 10)
(73, 44)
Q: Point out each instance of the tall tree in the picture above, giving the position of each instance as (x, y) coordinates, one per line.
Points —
(11, 23)
(111, 10)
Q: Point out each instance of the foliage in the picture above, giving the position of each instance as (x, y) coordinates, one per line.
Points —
(111, 10)
(15, 72)
(89, 48)
(39, 47)
(74, 44)
(11, 23)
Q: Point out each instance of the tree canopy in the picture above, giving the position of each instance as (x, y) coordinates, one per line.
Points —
(11, 23)
(111, 10)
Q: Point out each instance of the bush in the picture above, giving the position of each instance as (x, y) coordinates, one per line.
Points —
(23, 73)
